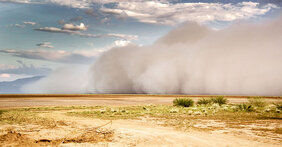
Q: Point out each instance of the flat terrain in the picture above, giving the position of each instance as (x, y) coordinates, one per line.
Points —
(13, 101)
(136, 120)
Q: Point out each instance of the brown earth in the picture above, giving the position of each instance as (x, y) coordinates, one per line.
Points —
(83, 131)
(26, 100)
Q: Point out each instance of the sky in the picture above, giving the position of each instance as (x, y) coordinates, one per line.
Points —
(39, 36)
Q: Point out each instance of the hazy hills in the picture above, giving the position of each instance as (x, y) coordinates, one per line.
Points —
(14, 87)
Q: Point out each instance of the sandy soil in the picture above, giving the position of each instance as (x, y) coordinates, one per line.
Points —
(8, 101)
(143, 132)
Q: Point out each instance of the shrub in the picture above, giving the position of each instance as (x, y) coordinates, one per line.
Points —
(204, 101)
(220, 100)
(245, 107)
(185, 102)
(257, 101)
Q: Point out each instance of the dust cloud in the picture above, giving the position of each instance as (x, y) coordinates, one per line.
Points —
(243, 59)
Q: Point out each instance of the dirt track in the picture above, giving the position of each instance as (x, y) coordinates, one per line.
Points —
(144, 132)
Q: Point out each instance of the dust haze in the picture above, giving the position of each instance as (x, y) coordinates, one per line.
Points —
(243, 59)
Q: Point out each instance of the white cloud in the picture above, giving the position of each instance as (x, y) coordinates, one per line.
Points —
(72, 3)
(73, 27)
(23, 69)
(5, 67)
(80, 56)
(113, 35)
(122, 43)
(5, 75)
(24, 24)
(24, 1)
(29, 23)
(18, 25)
(55, 30)
(45, 45)
(61, 56)
(16, 1)
(165, 13)
(98, 51)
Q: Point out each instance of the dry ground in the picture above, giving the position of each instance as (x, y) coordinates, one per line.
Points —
(125, 124)
(27, 100)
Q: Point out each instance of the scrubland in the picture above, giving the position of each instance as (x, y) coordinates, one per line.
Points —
(205, 122)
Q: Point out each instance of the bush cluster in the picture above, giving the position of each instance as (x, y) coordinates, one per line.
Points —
(204, 101)
(184, 102)
(220, 100)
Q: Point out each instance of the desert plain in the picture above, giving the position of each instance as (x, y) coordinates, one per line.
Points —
(138, 120)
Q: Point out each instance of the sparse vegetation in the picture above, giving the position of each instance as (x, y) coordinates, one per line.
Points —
(207, 113)
(220, 100)
(204, 101)
(18, 116)
(257, 102)
(278, 106)
(245, 107)
(184, 102)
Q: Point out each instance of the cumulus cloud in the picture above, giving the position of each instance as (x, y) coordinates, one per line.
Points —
(244, 59)
(61, 56)
(45, 45)
(157, 12)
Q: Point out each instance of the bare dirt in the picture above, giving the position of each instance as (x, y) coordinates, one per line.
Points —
(83, 131)
(14, 101)
(80, 131)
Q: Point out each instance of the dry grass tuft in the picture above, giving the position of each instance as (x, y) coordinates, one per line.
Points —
(94, 136)
(28, 117)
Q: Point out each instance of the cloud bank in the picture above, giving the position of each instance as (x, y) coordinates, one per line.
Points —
(167, 12)
(156, 12)
(24, 69)
(244, 59)
(60, 56)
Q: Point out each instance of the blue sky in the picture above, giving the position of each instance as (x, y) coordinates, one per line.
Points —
(38, 36)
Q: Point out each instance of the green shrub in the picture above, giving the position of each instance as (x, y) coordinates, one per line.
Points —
(257, 101)
(204, 101)
(185, 102)
(220, 100)
(245, 107)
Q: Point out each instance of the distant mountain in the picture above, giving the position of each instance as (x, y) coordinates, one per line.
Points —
(14, 87)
